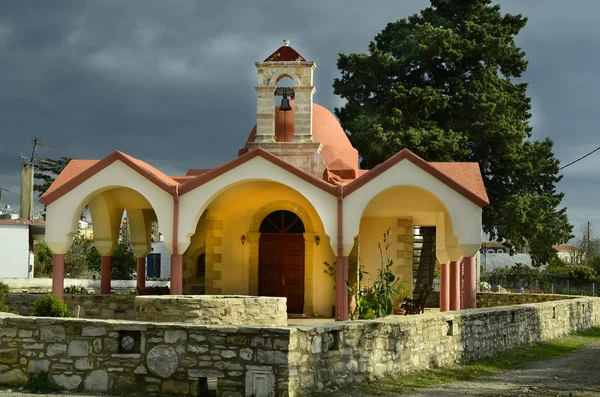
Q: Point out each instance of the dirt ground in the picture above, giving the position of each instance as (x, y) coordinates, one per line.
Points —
(574, 374)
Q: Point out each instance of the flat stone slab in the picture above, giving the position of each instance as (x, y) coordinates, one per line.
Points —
(212, 309)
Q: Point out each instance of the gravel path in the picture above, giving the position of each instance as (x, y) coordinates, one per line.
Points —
(575, 374)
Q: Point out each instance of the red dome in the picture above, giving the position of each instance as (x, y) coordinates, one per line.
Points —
(339, 155)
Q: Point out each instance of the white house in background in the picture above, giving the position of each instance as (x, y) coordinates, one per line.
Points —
(158, 261)
(569, 254)
(16, 246)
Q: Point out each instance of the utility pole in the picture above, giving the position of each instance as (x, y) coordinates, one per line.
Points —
(27, 171)
(587, 246)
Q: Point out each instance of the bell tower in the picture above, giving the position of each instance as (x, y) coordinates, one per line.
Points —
(285, 62)
(286, 130)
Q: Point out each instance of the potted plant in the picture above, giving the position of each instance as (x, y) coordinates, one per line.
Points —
(400, 292)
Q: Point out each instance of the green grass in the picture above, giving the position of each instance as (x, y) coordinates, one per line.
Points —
(503, 361)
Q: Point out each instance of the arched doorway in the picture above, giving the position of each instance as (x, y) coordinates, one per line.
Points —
(281, 258)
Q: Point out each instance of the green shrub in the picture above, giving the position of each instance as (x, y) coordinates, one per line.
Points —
(4, 288)
(50, 306)
(3, 305)
(73, 289)
(42, 383)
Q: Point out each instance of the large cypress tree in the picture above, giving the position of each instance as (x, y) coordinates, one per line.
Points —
(444, 83)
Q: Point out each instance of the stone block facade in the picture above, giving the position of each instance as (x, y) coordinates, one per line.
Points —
(403, 262)
(118, 306)
(213, 310)
(183, 359)
(112, 356)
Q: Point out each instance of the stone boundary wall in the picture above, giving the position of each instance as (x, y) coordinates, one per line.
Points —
(324, 356)
(116, 306)
(213, 309)
(122, 356)
(494, 299)
(45, 284)
(94, 356)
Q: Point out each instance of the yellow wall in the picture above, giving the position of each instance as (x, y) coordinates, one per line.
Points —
(196, 248)
(236, 208)
(371, 234)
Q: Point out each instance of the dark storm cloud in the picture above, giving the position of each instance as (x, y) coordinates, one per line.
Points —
(172, 82)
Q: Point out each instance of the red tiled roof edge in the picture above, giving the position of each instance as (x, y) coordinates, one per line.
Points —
(259, 152)
(145, 171)
(425, 166)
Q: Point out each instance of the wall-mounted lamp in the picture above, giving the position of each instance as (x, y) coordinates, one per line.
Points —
(317, 240)
(243, 239)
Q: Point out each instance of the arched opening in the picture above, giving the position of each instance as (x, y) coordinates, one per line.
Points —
(284, 94)
(281, 258)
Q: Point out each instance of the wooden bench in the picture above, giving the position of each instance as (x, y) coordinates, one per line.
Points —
(415, 306)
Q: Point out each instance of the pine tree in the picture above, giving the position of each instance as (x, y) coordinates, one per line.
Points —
(48, 169)
(443, 83)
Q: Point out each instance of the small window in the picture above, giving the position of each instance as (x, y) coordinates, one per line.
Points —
(201, 266)
(490, 251)
(500, 251)
(282, 222)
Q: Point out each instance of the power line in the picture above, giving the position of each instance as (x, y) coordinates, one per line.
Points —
(6, 190)
(579, 159)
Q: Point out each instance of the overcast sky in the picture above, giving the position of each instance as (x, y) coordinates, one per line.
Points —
(171, 82)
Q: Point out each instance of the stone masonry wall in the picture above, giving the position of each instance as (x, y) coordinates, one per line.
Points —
(323, 356)
(113, 356)
(120, 306)
(494, 299)
(44, 285)
(122, 356)
(213, 309)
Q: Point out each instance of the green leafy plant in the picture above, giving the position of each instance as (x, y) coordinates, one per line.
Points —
(375, 301)
(73, 289)
(4, 290)
(50, 306)
(400, 292)
(581, 275)
(330, 270)
(42, 383)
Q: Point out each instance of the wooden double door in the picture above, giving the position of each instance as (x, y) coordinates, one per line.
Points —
(281, 268)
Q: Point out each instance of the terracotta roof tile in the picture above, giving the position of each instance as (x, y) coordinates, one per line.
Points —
(465, 178)
(154, 171)
(466, 174)
(74, 168)
(285, 54)
(197, 171)
(77, 171)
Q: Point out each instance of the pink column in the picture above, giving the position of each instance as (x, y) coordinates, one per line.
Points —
(105, 275)
(461, 284)
(444, 288)
(176, 274)
(141, 272)
(454, 285)
(341, 275)
(470, 295)
(58, 275)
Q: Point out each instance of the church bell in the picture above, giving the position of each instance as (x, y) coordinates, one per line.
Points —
(285, 104)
